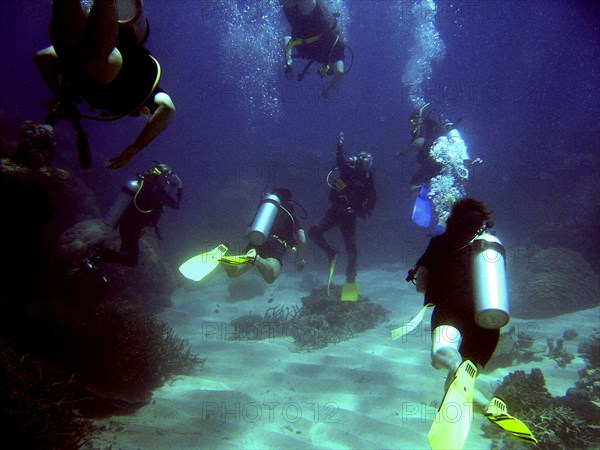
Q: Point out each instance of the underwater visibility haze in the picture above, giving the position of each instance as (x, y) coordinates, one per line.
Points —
(519, 80)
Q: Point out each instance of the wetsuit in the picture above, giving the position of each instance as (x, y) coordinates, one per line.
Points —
(449, 288)
(355, 195)
(133, 87)
(328, 48)
(145, 211)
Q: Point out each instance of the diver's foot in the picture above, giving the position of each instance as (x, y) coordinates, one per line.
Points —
(332, 256)
(251, 256)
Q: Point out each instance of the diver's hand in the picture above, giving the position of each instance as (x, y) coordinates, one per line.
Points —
(340, 144)
(123, 158)
(300, 263)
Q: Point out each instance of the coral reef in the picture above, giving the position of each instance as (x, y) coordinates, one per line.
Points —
(38, 404)
(77, 345)
(557, 352)
(551, 282)
(557, 422)
(325, 320)
(589, 376)
(514, 348)
(276, 322)
(320, 321)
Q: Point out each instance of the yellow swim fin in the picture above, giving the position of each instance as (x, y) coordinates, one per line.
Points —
(331, 269)
(411, 325)
(350, 292)
(238, 260)
(497, 414)
(200, 266)
(453, 419)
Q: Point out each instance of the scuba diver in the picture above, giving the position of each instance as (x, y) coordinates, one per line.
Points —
(315, 36)
(138, 205)
(352, 195)
(99, 57)
(274, 229)
(443, 166)
(462, 273)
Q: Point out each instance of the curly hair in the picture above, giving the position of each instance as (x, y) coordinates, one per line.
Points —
(469, 213)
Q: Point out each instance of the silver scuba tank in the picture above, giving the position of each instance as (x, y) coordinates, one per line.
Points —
(263, 220)
(455, 138)
(133, 19)
(121, 203)
(489, 282)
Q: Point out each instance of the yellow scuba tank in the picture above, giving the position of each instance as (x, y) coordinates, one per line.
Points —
(264, 219)
(489, 282)
(123, 200)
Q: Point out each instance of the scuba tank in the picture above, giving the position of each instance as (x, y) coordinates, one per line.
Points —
(455, 138)
(489, 282)
(123, 200)
(133, 19)
(264, 219)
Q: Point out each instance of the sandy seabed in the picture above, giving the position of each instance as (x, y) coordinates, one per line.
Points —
(365, 393)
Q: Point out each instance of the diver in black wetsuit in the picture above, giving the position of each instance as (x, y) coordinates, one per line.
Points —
(352, 195)
(424, 131)
(285, 233)
(97, 58)
(155, 191)
(315, 36)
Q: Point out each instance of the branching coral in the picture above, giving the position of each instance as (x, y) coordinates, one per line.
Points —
(38, 404)
(589, 377)
(322, 320)
(514, 348)
(557, 352)
(276, 322)
(325, 319)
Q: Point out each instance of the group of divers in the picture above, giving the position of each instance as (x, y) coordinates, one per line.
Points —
(98, 57)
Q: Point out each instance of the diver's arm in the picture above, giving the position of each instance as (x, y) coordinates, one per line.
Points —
(157, 123)
(338, 73)
(339, 151)
(421, 278)
(415, 145)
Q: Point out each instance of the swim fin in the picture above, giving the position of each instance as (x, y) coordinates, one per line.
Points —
(421, 214)
(497, 414)
(350, 292)
(237, 260)
(411, 325)
(331, 269)
(200, 266)
(453, 419)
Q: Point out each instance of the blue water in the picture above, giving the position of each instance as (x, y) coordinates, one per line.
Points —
(522, 76)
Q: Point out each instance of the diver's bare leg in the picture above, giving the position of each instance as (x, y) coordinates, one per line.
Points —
(269, 268)
(48, 66)
(103, 61)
